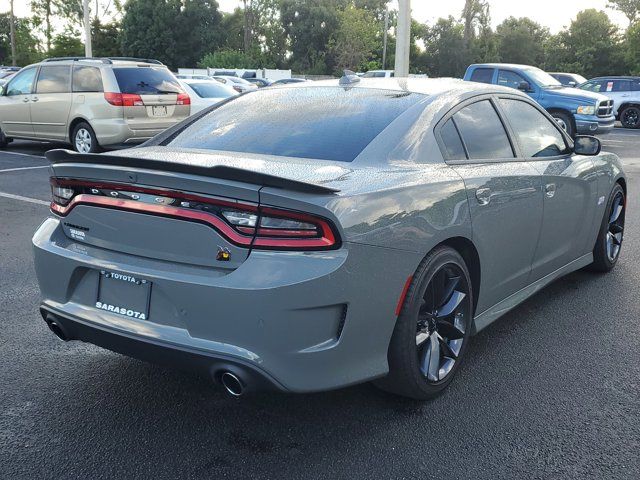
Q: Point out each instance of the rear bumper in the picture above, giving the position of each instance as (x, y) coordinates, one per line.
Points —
(590, 125)
(296, 321)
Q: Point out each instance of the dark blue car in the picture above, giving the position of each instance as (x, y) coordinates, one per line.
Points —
(577, 111)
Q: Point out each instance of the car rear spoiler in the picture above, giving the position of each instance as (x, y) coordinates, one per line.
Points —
(219, 171)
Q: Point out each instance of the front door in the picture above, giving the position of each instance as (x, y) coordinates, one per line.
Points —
(504, 194)
(15, 105)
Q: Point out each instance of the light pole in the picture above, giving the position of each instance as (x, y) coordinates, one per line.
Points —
(87, 29)
(12, 34)
(403, 38)
(384, 41)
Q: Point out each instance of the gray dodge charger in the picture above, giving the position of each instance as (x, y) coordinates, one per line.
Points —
(313, 236)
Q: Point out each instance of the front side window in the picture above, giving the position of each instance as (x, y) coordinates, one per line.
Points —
(87, 79)
(482, 132)
(593, 86)
(54, 79)
(536, 134)
(22, 83)
(507, 78)
(482, 75)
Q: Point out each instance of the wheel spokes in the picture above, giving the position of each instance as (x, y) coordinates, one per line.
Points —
(616, 209)
(450, 330)
(454, 302)
(431, 359)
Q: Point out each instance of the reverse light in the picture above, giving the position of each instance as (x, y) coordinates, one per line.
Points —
(586, 110)
(243, 224)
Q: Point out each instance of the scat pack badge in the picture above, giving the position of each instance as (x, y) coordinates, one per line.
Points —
(224, 254)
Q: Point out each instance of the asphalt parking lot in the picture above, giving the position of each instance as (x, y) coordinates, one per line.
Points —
(549, 391)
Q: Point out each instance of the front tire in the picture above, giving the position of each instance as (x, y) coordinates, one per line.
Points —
(4, 141)
(566, 122)
(84, 139)
(630, 117)
(609, 243)
(432, 331)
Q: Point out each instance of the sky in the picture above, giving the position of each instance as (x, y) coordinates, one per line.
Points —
(555, 14)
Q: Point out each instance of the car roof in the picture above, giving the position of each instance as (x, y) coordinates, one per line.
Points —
(102, 61)
(616, 77)
(503, 65)
(424, 86)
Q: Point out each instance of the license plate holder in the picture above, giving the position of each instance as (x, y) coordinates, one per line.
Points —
(159, 110)
(124, 295)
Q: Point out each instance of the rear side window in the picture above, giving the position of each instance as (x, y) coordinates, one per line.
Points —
(621, 86)
(537, 136)
(54, 79)
(326, 123)
(87, 79)
(146, 81)
(482, 75)
(453, 149)
(482, 132)
(212, 90)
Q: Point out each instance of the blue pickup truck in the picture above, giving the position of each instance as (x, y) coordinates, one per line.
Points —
(577, 111)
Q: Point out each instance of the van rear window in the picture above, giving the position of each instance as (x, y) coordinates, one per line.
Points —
(325, 123)
(146, 80)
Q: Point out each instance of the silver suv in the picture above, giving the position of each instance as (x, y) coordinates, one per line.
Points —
(625, 93)
(91, 102)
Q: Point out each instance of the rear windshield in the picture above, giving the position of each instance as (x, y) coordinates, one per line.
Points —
(212, 89)
(326, 123)
(146, 80)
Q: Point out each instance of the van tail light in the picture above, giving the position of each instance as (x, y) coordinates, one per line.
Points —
(183, 99)
(123, 99)
(243, 224)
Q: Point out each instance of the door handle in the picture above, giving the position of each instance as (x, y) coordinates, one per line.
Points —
(550, 189)
(483, 195)
(34, 99)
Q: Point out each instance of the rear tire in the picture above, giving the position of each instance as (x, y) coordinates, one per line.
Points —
(566, 122)
(609, 243)
(630, 117)
(84, 139)
(433, 329)
(4, 141)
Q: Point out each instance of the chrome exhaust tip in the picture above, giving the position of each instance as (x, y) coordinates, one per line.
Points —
(232, 384)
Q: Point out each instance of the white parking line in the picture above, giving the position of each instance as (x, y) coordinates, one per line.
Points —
(22, 154)
(24, 199)
(22, 168)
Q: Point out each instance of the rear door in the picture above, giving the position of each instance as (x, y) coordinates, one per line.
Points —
(51, 102)
(15, 105)
(569, 183)
(157, 99)
(618, 90)
(504, 194)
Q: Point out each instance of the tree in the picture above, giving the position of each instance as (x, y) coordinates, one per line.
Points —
(444, 48)
(631, 8)
(26, 44)
(43, 12)
(593, 45)
(177, 32)
(632, 40)
(520, 40)
(472, 13)
(67, 44)
(356, 40)
(227, 58)
(105, 39)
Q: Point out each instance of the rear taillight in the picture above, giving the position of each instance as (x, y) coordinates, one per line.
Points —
(183, 99)
(244, 224)
(123, 99)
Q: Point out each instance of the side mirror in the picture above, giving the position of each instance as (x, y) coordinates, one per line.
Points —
(586, 145)
(524, 86)
(572, 84)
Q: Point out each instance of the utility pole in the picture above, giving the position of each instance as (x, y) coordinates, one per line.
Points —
(403, 38)
(384, 41)
(87, 29)
(12, 29)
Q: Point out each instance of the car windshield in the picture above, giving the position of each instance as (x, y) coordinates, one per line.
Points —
(212, 90)
(327, 123)
(146, 80)
(542, 78)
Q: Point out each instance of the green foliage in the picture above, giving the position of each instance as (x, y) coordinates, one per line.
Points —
(105, 39)
(445, 52)
(67, 44)
(357, 38)
(177, 32)
(229, 58)
(27, 49)
(631, 8)
(521, 40)
(632, 42)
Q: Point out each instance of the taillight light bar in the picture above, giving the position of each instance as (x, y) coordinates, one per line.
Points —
(183, 99)
(123, 99)
(244, 224)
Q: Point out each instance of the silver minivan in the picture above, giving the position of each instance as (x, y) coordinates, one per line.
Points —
(91, 102)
